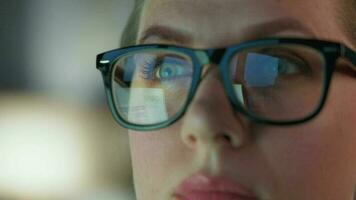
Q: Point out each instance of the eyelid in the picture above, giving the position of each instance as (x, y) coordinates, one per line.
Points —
(282, 50)
(285, 52)
(149, 69)
(169, 54)
(159, 57)
(294, 57)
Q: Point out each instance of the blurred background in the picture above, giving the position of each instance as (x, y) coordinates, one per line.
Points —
(57, 137)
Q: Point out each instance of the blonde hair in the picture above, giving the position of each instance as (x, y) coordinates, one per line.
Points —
(130, 32)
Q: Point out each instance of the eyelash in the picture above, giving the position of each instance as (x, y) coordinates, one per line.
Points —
(148, 69)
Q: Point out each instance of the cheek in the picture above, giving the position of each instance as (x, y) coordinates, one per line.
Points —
(322, 150)
(154, 156)
(146, 155)
(343, 102)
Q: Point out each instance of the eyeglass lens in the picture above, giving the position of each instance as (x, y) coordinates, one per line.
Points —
(278, 83)
(281, 82)
(151, 86)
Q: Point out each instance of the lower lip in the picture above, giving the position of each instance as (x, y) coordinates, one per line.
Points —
(197, 195)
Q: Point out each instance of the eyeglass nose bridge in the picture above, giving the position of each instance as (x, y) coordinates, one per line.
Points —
(210, 56)
(217, 57)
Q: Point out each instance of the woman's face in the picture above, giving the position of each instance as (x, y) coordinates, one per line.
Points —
(211, 144)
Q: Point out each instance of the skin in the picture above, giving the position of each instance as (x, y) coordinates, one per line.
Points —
(312, 161)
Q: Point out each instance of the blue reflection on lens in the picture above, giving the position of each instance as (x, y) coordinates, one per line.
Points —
(261, 70)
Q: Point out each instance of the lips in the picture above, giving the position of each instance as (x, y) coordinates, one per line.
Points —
(204, 187)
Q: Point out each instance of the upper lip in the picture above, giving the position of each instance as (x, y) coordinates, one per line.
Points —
(201, 183)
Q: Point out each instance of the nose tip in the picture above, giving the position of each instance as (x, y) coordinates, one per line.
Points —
(211, 119)
(222, 139)
(195, 136)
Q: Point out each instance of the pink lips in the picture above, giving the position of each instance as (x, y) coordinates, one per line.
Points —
(203, 187)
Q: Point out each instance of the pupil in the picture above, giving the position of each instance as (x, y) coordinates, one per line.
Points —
(167, 72)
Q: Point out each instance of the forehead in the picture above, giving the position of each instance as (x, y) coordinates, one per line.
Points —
(224, 19)
(211, 7)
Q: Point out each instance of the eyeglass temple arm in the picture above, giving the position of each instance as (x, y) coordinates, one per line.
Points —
(349, 54)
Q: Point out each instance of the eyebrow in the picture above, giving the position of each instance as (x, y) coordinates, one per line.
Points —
(166, 33)
(279, 25)
(265, 29)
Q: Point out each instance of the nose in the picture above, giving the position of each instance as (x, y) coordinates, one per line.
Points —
(211, 119)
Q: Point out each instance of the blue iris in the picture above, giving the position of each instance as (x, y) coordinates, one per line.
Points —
(171, 68)
(167, 71)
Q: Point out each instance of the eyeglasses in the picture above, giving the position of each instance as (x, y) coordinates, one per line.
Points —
(278, 81)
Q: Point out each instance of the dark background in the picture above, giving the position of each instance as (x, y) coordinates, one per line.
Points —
(12, 45)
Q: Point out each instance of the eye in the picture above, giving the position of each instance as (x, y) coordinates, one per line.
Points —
(163, 67)
(171, 68)
(289, 62)
(167, 71)
(290, 67)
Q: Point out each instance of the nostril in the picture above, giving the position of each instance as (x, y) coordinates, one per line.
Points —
(223, 138)
(191, 139)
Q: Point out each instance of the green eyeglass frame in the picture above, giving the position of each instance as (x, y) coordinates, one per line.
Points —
(330, 51)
